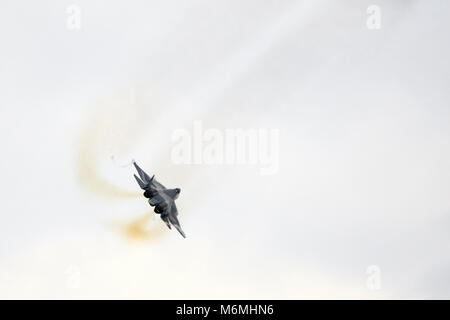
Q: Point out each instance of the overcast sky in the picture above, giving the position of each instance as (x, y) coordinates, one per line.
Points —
(358, 207)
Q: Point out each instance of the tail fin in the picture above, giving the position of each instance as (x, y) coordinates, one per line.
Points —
(141, 183)
(144, 176)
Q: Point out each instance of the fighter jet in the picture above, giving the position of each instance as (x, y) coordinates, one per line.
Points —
(160, 197)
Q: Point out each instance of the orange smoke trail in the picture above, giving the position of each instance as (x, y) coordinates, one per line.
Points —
(100, 131)
(137, 230)
(87, 166)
